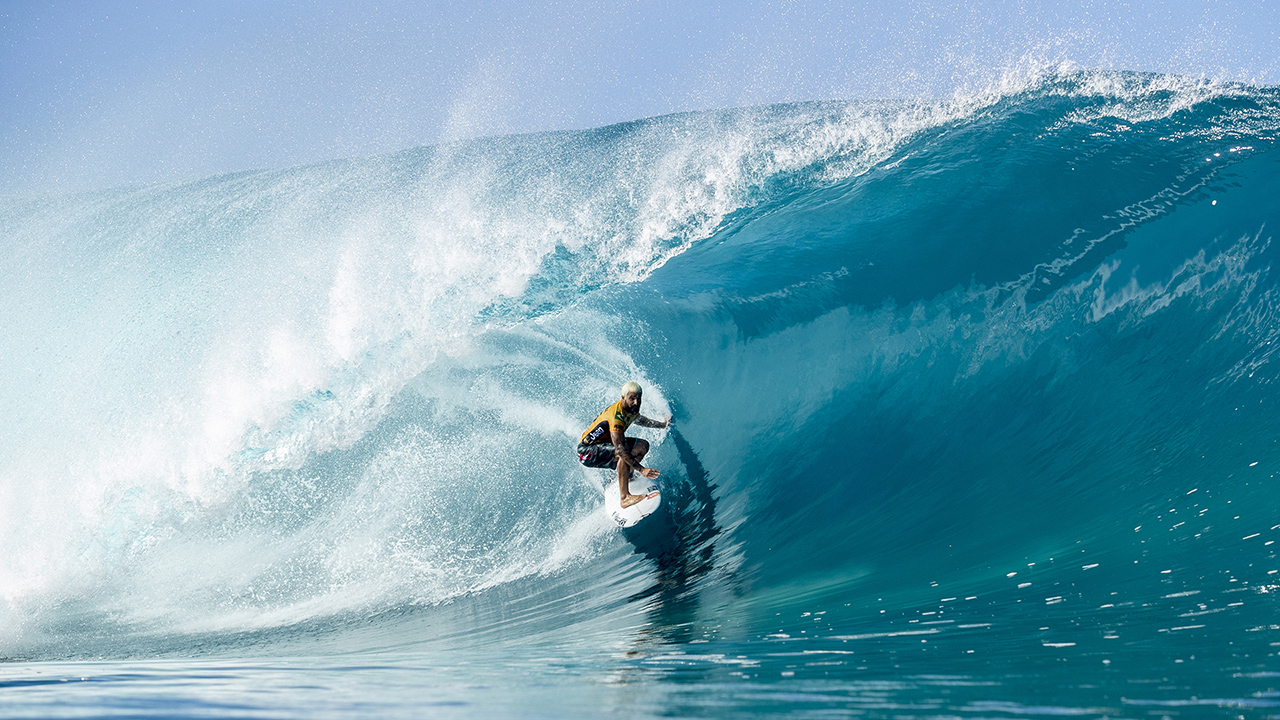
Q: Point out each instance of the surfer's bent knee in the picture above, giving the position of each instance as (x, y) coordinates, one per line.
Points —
(603, 455)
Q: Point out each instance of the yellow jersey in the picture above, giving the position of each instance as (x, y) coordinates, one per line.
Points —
(614, 417)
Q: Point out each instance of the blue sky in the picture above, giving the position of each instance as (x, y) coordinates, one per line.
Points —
(97, 94)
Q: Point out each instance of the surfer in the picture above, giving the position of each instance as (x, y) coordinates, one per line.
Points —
(604, 444)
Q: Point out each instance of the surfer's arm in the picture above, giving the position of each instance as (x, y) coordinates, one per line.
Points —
(620, 449)
(624, 456)
(643, 421)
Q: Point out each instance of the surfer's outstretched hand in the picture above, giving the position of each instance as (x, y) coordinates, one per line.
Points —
(650, 473)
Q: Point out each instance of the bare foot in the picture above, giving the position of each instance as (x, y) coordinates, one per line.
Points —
(629, 500)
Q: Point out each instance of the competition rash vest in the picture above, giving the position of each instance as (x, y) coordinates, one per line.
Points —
(614, 417)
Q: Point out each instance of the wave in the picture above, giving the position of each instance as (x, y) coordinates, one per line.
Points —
(906, 344)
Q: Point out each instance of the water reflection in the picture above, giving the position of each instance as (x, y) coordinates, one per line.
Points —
(681, 544)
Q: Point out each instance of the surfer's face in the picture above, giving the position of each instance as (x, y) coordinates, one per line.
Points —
(631, 401)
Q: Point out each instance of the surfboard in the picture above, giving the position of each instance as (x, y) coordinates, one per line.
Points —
(629, 516)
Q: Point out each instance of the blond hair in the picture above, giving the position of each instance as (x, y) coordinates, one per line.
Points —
(632, 387)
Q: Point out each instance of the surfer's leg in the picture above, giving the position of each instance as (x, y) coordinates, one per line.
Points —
(625, 498)
(596, 456)
(638, 448)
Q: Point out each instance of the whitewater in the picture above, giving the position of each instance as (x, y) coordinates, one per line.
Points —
(974, 415)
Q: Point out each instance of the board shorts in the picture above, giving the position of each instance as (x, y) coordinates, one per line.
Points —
(601, 455)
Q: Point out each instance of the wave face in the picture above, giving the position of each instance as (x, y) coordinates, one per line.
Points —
(982, 388)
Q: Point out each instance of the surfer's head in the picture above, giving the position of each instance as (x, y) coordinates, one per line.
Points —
(631, 394)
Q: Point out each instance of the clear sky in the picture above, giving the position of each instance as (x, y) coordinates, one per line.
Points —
(96, 94)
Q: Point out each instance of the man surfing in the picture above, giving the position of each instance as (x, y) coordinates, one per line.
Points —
(604, 444)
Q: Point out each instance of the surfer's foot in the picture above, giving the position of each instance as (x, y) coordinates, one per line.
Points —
(630, 500)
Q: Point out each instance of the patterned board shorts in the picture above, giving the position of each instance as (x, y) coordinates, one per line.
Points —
(601, 455)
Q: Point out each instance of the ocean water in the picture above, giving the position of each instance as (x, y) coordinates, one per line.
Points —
(974, 400)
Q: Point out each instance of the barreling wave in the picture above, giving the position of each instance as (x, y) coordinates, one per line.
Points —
(906, 344)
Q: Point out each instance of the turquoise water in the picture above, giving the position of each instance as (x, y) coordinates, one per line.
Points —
(972, 409)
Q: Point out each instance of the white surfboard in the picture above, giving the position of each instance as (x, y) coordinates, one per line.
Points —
(628, 516)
